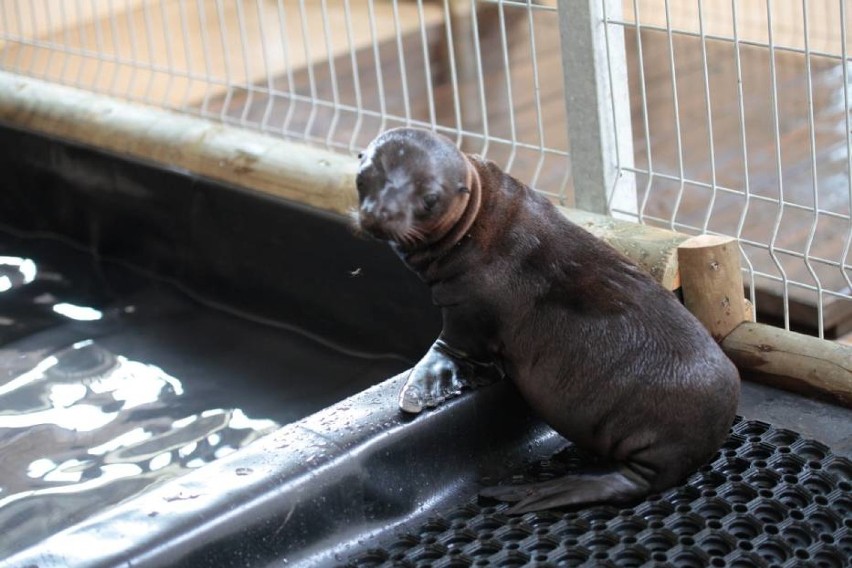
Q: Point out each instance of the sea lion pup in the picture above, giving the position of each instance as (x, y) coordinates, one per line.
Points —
(604, 354)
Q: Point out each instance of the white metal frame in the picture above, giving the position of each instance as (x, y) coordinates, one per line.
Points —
(597, 101)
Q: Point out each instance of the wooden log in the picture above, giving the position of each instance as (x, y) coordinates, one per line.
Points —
(237, 156)
(712, 283)
(792, 361)
(652, 248)
(256, 161)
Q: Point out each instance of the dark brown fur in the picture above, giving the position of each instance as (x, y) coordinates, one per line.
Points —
(607, 357)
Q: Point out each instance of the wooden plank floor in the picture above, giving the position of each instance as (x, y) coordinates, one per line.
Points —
(179, 54)
(539, 115)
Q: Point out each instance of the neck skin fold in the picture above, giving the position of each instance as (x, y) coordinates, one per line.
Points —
(468, 216)
(458, 231)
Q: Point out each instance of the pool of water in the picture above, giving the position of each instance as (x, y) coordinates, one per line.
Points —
(113, 381)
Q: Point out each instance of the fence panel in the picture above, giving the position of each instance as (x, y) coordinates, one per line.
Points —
(741, 122)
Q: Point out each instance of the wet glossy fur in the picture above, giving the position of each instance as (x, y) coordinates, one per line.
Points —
(606, 356)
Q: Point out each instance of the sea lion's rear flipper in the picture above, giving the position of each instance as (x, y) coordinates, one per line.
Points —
(616, 486)
(442, 374)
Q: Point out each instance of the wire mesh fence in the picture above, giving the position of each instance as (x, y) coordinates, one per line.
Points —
(741, 125)
(738, 109)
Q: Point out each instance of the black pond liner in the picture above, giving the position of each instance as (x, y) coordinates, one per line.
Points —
(768, 498)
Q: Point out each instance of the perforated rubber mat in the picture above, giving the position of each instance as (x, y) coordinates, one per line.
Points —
(768, 498)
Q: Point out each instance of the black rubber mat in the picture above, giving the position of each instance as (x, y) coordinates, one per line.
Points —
(769, 498)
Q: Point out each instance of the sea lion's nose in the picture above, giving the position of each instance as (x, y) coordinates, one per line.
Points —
(388, 212)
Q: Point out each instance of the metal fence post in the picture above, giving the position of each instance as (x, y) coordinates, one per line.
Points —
(598, 106)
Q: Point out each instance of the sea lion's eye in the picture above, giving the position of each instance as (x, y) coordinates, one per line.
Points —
(430, 200)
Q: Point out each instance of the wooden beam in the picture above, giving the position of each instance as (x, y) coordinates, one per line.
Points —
(241, 157)
(792, 361)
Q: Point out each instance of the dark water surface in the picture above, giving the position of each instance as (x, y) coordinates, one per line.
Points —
(112, 381)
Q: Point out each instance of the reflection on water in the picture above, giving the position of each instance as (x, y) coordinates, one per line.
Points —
(16, 271)
(79, 313)
(112, 381)
(87, 420)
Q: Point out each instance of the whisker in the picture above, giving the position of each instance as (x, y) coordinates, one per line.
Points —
(415, 236)
(355, 221)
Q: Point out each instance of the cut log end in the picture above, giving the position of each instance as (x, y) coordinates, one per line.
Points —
(712, 283)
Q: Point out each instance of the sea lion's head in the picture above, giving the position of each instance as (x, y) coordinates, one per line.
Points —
(413, 187)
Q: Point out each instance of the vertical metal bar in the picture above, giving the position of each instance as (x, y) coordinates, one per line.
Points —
(335, 93)
(454, 81)
(267, 67)
(377, 61)
(5, 32)
(709, 110)
(186, 41)
(588, 92)
(51, 50)
(510, 100)
(356, 79)
(248, 72)
(480, 79)
(845, 268)
(205, 50)
(427, 65)
(537, 94)
(19, 19)
(309, 65)
(82, 37)
(291, 82)
(99, 45)
(646, 127)
(616, 121)
(676, 108)
(151, 57)
(170, 63)
(462, 18)
(226, 59)
(814, 176)
(752, 290)
(6, 28)
(134, 52)
(400, 53)
(777, 129)
(115, 50)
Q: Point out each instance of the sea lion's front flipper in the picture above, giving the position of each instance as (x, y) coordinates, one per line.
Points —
(441, 374)
(615, 486)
